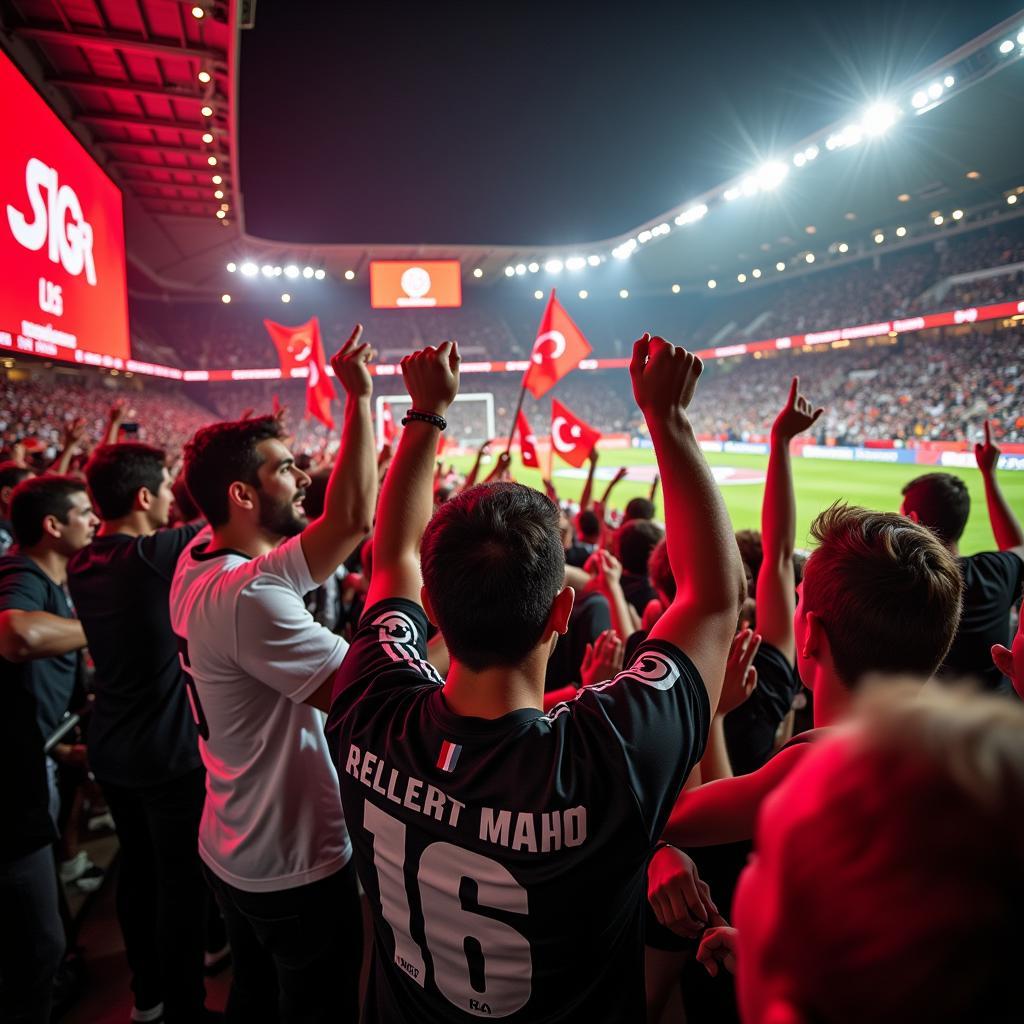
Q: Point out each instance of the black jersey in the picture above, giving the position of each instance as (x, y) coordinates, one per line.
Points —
(505, 860)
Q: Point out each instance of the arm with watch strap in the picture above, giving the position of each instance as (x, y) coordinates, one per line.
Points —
(406, 502)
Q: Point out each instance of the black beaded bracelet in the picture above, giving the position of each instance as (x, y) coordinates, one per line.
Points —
(425, 417)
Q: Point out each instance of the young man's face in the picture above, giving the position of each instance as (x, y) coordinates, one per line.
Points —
(159, 513)
(282, 488)
(80, 527)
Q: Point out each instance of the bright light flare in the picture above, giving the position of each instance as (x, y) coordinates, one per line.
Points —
(879, 118)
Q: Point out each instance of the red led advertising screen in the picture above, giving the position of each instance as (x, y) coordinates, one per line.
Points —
(399, 284)
(63, 291)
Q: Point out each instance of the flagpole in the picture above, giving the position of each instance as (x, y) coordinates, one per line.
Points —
(515, 417)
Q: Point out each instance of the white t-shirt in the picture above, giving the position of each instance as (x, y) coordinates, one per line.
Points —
(272, 818)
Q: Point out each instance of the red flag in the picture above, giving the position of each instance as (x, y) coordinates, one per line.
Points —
(388, 429)
(559, 347)
(571, 437)
(527, 442)
(319, 389)
(294, 344)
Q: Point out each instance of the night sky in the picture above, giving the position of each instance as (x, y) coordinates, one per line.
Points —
(547, 123)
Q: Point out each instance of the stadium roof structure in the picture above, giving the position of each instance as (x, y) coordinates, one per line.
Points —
(150, 86)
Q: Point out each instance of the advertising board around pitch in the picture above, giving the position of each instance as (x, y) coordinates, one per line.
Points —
(63, 290)
(404, 284)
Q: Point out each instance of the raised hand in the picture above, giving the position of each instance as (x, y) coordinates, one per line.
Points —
(350, 365)
(117, 413)
(74, 432)
(602, 659)
(680, 900)
(987, 454)
(740, 674)
(432, 377)
(796, 415)
(664, 376)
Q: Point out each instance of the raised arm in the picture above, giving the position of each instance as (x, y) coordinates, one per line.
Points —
(114, 420)
(73, 434)
(588, 487)
(475, 471)
(352, 488)
(701, 546)
(432, 380)
(776, 585)
(1005, 524)
(25, 635)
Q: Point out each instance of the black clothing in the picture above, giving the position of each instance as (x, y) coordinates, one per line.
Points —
(638, 590)
(499, 855)
(590, 617)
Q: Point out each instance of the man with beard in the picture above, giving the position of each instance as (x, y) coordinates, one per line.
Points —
(272, 837)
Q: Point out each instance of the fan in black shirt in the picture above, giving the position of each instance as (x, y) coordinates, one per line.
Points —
(502, 848)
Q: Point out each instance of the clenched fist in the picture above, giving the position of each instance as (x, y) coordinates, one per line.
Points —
(664, 377)
(432, 377)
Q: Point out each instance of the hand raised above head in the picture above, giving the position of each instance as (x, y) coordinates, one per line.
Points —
(432, 377)
(664, 376)
(797, 414)
(350, 365)
(987, 454)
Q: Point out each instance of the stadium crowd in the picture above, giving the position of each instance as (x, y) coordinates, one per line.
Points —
(308, 677)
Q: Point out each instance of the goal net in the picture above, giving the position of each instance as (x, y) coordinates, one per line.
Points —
(470, 417)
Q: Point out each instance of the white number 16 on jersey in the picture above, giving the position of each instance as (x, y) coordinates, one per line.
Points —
(508, 968)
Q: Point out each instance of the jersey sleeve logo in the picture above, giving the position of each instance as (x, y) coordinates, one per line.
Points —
(397, 635)
(653, 669)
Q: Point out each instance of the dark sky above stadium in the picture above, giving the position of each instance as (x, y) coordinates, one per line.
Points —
(534, 123)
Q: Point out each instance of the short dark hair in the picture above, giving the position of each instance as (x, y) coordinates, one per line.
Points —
(219, 455)
(660, 571)
(887, 592)
(186, 510)
(638, 508)
(12, 473)
(752, 552)
(493, 564)
(635, 542)
(941, 502)
(116, 472)
(589, 525)
(35, 499)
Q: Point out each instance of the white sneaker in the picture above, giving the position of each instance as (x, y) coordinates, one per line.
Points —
(150, 1016)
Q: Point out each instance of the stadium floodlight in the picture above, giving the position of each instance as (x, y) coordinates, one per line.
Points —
(949, 81)
(594, 261)
(350, 275)
(278, 271)
(712, 283)
(217, 179)
(799, 159)
(879, 238)
(919, 99)
(730, 194)
(286, 297)
(935, 90)
(901, 232)
(692, 214)
(848, 136)
(623, 293)
(676, 289)
(307, 272)
(756, 272)
(212, 161)
(771, 174)
(207, 137)
(1006, 46)
(749, 185)
(320, 273)
(221, 214)
(291, 271)
(520, 269)
(267, 270)
(249, 269)
(206, 110)
(225, 298)
(551, 266)
(938, 220)
(958, 214)
(198, 13)
(879, 118)
(843, 247)
(204, 77)
(477, 272)
(583, 293)
(510, 271)
(1011, 199)
(575, 263)
(219, 194)
(538, 294)
(645, 236)
(811, 152)
(809, 257)
(231, 268)
(625, 250)
(780, 266)
(742, 278)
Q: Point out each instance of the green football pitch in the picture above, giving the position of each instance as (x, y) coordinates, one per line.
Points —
(818, 484)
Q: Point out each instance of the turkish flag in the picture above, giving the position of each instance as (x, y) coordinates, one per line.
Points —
(573, 439)
(388, 429)
(319, 389)
(527, 442)
(559, 347)
(294, 344)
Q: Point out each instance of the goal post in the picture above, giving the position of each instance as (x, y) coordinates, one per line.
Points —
(470, 417)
